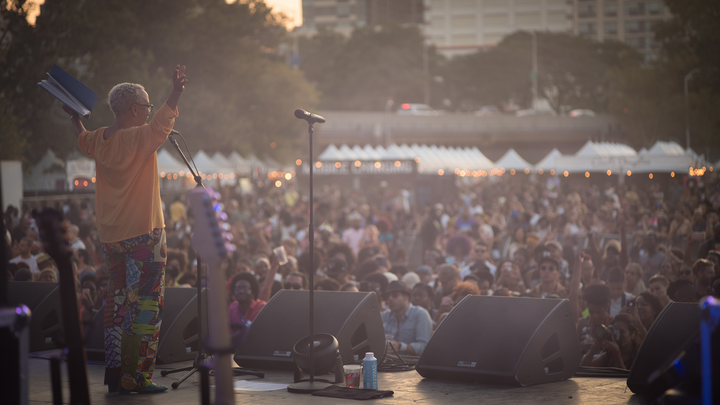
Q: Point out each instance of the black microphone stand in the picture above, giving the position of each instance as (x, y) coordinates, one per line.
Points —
(305, 387)
(201, 356)
(200, 362)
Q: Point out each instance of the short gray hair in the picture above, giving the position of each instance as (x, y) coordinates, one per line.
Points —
(123, 96)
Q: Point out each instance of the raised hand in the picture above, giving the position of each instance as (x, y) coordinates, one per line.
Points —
(179, 78)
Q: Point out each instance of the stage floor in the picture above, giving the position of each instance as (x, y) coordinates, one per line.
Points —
(409, 388)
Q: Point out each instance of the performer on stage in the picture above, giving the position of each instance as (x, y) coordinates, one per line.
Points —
(131, 228)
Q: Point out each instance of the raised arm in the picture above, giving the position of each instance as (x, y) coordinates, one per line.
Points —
(77, 125)
(179, 81)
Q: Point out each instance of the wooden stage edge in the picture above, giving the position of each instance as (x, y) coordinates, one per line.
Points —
(409, 388)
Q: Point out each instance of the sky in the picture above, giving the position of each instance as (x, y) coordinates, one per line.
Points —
(292, 8)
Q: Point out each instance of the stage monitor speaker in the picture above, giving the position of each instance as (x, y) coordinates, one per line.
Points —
(352, 317)
(179, 339)
(504, 340)
(43, 300)
(674, 328)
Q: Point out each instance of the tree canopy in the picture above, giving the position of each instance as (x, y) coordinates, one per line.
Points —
(240, 95)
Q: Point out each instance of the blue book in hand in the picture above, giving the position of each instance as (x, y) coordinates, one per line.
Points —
(69, 91)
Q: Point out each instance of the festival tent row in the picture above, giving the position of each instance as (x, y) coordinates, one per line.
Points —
(52, 173)
(662, 157)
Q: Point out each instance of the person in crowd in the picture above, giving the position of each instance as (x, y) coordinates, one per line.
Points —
(48, 276)
(187, 280)
(45, 262)
(618, 296)
(245, 307)
(647, 308)
(327, 284)
(178, 210)
(84, 263)
(634, 283)
(24, 256)
(423, 296)
(519, 240)
(479, 254)
(377, 283)
(651, 258)
(683, 291)
(704, 271)
(615, 352)
(23, 274)
(448, 279)
(72, 236)
(171, 275)
(296, 281)
(91, 301)
(410, 279)
(349, 287)
(555, 249)
(549, 268)
(486, 281)
(354, 235)
(337, 269)
(666, 268)
(431, 228)
(409, 325)
(658, 286)
(509, 277)
(425, 273)
(597, 298)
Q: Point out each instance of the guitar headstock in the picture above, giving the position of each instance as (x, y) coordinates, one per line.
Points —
(211, 237)
(52, 234)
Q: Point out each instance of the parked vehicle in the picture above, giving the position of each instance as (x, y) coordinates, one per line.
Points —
(417, 109)
(582, 113)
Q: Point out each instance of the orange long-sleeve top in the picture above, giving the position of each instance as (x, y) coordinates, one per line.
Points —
(127, 188)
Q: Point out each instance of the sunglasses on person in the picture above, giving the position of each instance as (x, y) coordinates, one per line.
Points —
(293, 286)
(548, 268)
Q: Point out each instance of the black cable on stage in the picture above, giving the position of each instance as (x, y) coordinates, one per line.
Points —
(606, 372)
(396, 362)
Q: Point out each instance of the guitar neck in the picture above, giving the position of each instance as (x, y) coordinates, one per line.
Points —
(219, 336)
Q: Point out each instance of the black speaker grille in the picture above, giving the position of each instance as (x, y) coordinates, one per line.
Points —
(672, 330)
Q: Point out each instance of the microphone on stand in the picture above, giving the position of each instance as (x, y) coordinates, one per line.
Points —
(309, 117)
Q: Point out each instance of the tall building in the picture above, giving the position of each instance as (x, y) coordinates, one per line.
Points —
(343, 15)
(339, 15)
(464, 26)
(629, 21)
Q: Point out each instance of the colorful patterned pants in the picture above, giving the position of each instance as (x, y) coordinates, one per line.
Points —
(133, 308)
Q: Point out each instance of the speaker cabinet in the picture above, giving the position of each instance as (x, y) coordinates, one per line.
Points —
(43, 300)
(179, 338)
(352, 317)
(504, 340)
(674, 328)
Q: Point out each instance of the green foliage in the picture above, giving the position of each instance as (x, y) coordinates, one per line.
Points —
(649, 100)
(238, 96)
(371, 66)
(572, 72)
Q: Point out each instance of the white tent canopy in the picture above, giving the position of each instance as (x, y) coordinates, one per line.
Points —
(241, 166)
(79, 168)
(549, 161)
(48, 174)
(511, 160)
(205, 164)
(168, 164)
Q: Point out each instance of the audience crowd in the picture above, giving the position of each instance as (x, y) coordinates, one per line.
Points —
(619, 253)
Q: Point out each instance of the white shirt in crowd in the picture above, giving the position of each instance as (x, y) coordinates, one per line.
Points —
(31, 261)
(616, 305)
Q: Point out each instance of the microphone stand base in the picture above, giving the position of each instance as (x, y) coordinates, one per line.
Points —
(307, 387)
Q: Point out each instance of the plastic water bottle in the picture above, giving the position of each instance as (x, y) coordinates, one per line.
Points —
(370, 381)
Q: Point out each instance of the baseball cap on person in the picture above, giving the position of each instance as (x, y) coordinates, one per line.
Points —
(424, 269)
(336, 266)
(397, 286)
(551, 260)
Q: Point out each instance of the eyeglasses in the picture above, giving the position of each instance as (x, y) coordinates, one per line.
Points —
(242, 288)
(547, 268)
(150, 106)
(293, 286)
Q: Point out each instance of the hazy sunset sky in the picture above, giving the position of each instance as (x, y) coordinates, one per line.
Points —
(292, 8)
